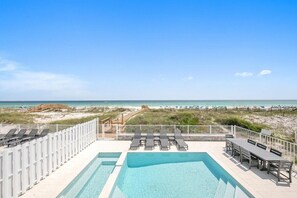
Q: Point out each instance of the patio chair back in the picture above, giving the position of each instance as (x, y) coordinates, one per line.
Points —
(262, 146)
(276, 152)
(229, 136)
(251, 141)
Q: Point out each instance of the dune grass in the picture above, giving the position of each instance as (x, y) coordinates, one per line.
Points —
(16, 117)
(112, 114)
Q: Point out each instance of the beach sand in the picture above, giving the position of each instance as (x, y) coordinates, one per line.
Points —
(48, 117)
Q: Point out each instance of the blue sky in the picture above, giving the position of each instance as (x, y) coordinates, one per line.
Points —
(154, 49)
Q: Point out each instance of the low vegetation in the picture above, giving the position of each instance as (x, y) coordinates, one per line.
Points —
(241, 122)
(211, 117)
(15, 117)
(111, 114)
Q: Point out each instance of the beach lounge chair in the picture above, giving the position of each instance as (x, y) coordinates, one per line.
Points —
(136, 141)
(149, 142)
(17, 139)
(164, 142)
(31, 135)
(43, 133)
(8, 136)
(180, 143)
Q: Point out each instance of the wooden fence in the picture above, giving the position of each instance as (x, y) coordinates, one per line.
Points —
(23, 166)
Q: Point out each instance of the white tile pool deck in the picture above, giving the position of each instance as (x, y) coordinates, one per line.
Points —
(259, 183)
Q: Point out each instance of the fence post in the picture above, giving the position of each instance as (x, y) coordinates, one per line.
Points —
(117, 132)
(15, 185)
(234, 130)
(5, 172)
(210, 129)
(97, 128)
(24, 178)
(57, 127)
(296, 137)
(31, 163)
(103, 131)
(50, 153)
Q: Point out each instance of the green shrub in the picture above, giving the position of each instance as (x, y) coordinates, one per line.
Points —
(240, 122)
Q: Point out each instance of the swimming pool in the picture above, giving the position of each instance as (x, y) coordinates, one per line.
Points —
(175, 175)
(91, 180)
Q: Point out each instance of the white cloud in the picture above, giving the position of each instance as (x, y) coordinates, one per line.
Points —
(265, 72)
(40, 81)
(190, 78)
(244, 74)
(7, 65)
(44, 85)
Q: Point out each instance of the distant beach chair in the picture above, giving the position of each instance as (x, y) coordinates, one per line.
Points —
(164, 141)
(8, 136)
(180, 143)
(17, 139)
(30, 136)
(43, 133)
(136, 141)
(149, 143)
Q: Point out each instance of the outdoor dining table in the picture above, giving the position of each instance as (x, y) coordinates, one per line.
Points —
(262, 154)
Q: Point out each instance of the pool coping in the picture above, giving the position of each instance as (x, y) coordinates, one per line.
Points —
(108, 187)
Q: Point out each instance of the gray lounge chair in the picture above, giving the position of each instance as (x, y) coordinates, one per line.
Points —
(149, 142)
(43, 133)
(8, 136)
(180, 143)
(31, 135)
(17, 139)
(164, 142)
(136, 141)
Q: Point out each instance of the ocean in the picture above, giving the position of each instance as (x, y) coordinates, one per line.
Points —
(156, 103)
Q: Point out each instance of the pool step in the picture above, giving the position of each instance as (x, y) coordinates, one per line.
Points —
(239, 193)
(220, 189)
(109, 155)
(109, 163)
(230, 190)
(117, 193)
(110, 159)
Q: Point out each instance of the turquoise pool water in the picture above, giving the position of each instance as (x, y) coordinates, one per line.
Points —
(91, 180)
(175, 175)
